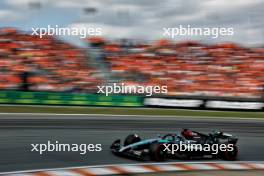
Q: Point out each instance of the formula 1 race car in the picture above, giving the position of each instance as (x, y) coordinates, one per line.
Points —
(216, 145)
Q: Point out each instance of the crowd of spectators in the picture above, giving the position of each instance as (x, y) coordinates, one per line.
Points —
(42, 64)
(192, 68)
(187, 68)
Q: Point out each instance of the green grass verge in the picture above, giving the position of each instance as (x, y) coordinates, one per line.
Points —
(127, 111)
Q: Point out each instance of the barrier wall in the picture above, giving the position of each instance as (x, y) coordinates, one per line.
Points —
(51, 98)
(205, 103)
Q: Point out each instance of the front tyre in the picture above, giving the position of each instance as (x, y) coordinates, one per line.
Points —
(132, 138)
(157, 152)
(115, 145)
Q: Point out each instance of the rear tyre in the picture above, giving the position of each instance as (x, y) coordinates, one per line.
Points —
(230, 155)
(132, 138)
(157, 153)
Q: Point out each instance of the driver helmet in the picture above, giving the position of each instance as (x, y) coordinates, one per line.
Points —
(188, 134)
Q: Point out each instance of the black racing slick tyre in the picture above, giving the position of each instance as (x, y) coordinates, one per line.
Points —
(157, 152)
(230, 155)
(132, 138)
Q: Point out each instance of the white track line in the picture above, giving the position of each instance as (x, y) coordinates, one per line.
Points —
(119, 115)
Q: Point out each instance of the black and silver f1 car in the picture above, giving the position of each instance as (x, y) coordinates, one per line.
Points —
(197, 145)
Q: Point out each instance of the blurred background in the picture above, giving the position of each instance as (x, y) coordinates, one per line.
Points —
(201, 72)
(132, 49)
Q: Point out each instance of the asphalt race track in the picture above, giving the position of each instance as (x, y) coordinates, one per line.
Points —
(17, 132)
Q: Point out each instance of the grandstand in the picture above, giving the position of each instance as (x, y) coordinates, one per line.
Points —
(192, 68)
(50, 64)
(188, 68)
